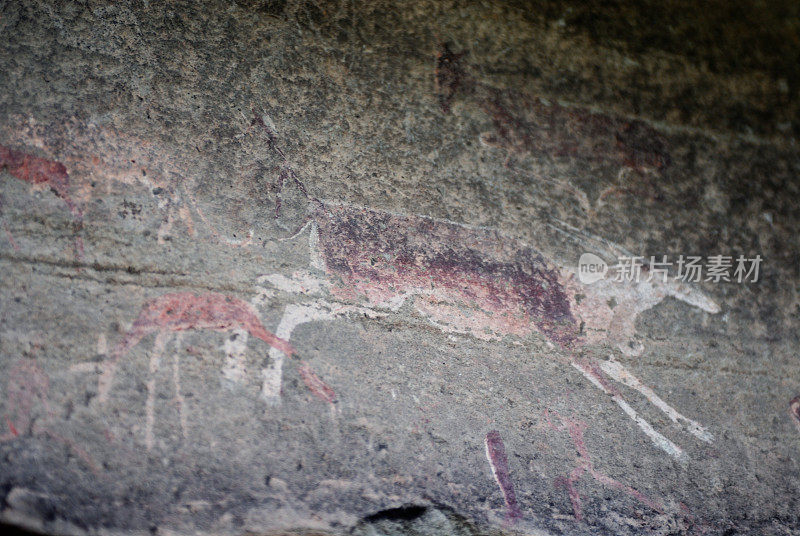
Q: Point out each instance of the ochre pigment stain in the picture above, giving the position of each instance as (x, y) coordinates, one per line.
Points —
(498, 461)
(317, 387)
(794, 411)
(40, 172)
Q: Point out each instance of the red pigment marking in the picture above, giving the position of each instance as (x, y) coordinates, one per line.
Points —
(184, 311)
(318, 387)
(576, 429)
(449, 75)
(572, 491)
(11, 427)
(496, 453)
(37, 170)
(591, 367)
(794, 410)
(382, 255)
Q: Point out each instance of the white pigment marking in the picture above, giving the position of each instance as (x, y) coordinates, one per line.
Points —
(616, 371)
(659, 440)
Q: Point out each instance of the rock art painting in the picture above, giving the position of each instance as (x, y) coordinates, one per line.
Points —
(474, 281)
(39, 172)
(463, 280)
(42, 173)
(583, 465)
(179, 312)
(368, 261)
(92, 160)
(498, 461)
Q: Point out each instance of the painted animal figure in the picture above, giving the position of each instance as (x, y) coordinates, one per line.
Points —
(476, 282)
(39, 172)
(42, 173)
(473, 281)
(179, 312)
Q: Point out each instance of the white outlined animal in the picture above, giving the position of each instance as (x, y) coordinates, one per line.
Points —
(372, 263)
(473, 281)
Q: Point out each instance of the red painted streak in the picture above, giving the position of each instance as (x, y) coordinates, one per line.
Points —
(186, 311)
(572, 491)
(318, 387)
(11, 427)
(37, 170)
(591, 367)
(496, 452)
(449, 75)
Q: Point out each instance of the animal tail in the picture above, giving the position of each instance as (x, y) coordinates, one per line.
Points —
(256, 329)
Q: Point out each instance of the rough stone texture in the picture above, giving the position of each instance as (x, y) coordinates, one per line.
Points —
(410, 186)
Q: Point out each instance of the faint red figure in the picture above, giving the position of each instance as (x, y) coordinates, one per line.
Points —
(28, 410)
(584, 464)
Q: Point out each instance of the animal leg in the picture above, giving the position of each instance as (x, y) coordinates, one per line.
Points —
(596, 377)
(619, 373)
(180, 402)
(155, 362)
(293, 316)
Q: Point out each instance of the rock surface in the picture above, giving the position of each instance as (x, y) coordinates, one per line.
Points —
(282, 266)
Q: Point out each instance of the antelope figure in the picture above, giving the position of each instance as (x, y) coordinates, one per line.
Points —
(369, 262)
(179, 312)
